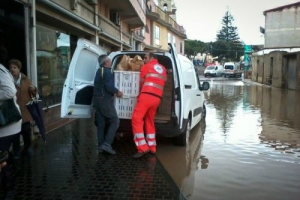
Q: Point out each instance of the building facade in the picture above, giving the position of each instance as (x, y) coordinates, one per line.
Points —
(161, 28)
(282, 22)
(278, 64)
(43, 35)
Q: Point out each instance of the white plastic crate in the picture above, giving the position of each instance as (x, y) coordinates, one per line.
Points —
(125, 106)
(128, 82)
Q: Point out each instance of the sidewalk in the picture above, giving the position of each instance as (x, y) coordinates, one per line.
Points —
(69, 167)
(249, 81)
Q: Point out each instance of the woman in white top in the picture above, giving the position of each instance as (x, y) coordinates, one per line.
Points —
(7, 91)
(10, 132)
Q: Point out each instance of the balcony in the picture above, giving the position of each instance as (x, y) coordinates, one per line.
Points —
(109, 27)
(114, 31)
(157, 14)
(130, 11)
(139, 35)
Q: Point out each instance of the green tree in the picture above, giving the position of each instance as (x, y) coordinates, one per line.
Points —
(219, 48)
(195, 46)
(228, 32)
(228, 44)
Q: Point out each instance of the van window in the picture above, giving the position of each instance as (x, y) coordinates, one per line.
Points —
(216, 68)
(189, 79)
(210, 67)
(229, 67)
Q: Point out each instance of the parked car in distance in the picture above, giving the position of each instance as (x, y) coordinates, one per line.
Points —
(214, 70)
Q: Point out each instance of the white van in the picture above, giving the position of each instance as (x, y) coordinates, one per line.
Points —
(232, 70)
(182, 105)
(214, 70)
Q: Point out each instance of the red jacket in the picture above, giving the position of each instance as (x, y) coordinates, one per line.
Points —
(152, 78)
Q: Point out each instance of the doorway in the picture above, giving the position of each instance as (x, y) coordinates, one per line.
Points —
(291, 79)
(12, 31)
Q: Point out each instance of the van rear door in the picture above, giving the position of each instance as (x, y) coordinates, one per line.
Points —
(78, 87)
(179, 89)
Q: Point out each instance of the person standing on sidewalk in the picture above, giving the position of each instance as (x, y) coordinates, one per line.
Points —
(25, 91)
(7, 91)
(8, 132)
(103, 102)
(152, 80)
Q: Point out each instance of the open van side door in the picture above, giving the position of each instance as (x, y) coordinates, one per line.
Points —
(79, 85)
(179, 90)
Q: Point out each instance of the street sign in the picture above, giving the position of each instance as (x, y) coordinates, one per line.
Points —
(248, 49)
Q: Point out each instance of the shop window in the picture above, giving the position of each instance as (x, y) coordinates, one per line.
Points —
(53, 59)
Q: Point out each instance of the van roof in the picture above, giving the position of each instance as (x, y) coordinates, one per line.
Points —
(181, 57)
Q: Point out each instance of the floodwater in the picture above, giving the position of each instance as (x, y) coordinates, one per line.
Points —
(247, 148)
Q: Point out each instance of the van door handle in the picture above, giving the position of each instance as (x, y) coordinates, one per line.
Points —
(198, 94)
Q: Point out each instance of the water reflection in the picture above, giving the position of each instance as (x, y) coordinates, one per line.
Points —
(183, 162)
(252, 140)
(225, 99)
(280, 117)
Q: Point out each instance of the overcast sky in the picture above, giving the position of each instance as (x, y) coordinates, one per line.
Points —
(202, 19)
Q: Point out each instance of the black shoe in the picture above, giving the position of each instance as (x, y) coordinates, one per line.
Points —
(140, 154)
(8, 177)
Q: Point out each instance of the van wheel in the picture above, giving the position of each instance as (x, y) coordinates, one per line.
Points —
(183, 139)
(203, 113)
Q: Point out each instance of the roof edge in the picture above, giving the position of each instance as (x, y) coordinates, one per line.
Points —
(282, 7)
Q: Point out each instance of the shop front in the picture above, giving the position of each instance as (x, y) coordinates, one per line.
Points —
(43, 36)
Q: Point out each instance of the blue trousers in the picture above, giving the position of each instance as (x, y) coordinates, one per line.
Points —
(106, 119)
(6, 142)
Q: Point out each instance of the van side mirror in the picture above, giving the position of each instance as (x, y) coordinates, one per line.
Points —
(205, 86)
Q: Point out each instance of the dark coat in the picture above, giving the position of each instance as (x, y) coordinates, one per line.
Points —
(104, 83)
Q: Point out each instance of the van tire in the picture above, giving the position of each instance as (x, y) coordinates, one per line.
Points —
(182, 140)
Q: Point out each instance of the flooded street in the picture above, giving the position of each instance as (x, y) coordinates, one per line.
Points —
(248, 147)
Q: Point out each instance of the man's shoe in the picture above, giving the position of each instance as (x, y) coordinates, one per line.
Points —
(140, 154)
(107, 148)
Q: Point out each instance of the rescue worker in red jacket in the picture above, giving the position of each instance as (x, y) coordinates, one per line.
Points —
(152, 80)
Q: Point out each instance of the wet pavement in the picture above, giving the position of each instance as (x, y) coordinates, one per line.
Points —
(247, 148)
(250, 147)
(70, 167)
